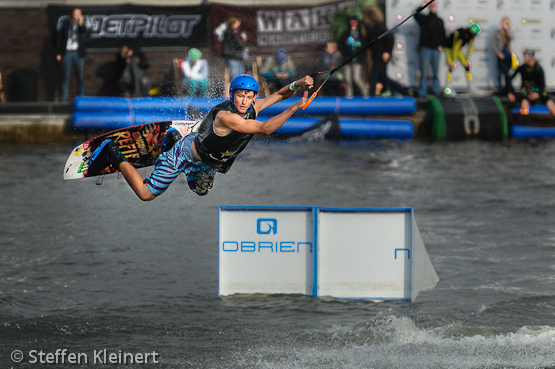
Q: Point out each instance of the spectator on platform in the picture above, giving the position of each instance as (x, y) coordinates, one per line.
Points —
(501, 46)
(234, 47)
(330, 59)
(532, 91)
(70, 51)
(132, 77)
(454, 45)
(195, 71)
(350, 43)
(379, 82)
(432, 39)
(278, 70)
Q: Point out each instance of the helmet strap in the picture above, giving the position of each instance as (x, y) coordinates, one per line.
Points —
(235, 110)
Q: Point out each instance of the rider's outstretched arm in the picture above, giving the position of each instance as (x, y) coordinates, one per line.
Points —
(284, 93)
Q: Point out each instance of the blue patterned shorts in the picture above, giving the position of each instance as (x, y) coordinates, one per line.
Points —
(179, 159)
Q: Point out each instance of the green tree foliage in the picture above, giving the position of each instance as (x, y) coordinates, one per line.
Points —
(340, 23)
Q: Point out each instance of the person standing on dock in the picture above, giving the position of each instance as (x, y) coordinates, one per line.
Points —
(234, 45)
(501, 46)
(432, 39)
(380, 83)
(329, 59)
(70, 51)
(350, 43)
(532, 90)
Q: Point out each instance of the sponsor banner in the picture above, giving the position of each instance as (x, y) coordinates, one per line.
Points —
(296, 29)
(265, 251)
(145, 26)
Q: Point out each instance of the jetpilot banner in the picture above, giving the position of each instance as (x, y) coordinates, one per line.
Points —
(144, 26)
(296, 29)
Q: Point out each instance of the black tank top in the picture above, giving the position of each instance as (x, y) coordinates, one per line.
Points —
(219, 152)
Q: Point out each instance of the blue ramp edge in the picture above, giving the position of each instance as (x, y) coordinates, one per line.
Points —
(518, 131)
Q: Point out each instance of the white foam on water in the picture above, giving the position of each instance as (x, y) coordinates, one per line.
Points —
(397, 342)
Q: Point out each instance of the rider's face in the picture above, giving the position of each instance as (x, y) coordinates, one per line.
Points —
(243, 99)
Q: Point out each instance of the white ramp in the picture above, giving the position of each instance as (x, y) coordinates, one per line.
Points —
(263, 251)
(346, 253)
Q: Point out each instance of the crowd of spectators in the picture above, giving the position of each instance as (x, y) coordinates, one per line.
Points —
(361, 43)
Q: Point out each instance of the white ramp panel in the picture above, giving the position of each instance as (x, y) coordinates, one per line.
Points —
(365, 255)
(424, 276)
(265, 252)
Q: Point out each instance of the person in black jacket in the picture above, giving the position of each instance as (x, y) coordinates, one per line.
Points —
(70, 51)
(234, 46)
(432, 39)
(131, 72)
(381, 53)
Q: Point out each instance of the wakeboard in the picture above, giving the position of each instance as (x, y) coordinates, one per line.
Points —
(140, 144)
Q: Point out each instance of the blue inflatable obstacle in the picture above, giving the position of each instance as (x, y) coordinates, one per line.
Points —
(329, 105)
(351, 127)
(109, 113)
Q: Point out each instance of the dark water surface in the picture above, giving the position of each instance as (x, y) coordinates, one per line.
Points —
(89, 268)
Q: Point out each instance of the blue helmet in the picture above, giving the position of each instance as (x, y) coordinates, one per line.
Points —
(243, 82)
